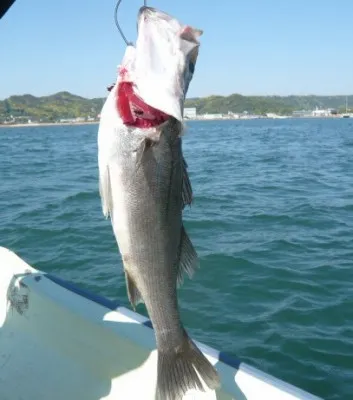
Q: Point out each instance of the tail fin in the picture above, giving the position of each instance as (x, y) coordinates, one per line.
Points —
(177, 371)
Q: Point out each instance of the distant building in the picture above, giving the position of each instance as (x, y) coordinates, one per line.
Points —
(190, 112)
(321, 113)
(302, 114)
(233, 115)
(275, 116)
(212, 116)
(318, 112)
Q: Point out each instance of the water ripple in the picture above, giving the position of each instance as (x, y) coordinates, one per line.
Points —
(271, 220)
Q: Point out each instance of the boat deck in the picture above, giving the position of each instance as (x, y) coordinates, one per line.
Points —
(60, 342)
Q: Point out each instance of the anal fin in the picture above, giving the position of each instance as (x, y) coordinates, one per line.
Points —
(188, 259)
(132, 291)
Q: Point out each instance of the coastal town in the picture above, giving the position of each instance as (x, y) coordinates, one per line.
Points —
(191, 114)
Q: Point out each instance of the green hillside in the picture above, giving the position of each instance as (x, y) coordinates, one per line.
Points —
(64, 105)
(52, 108)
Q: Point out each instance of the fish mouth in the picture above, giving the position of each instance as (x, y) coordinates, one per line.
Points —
(152, 13)
(144, 10)
(134, 111)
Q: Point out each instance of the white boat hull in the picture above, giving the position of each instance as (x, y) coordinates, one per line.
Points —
(58, 342)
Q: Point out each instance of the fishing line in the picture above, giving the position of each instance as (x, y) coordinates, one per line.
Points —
(117, 22)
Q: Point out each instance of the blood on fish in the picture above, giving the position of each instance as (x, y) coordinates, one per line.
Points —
(134, 111)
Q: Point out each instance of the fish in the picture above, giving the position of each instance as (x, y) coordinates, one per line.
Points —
(144, 186)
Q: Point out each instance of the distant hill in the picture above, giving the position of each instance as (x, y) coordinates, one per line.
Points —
(266, 104)
(65, 105)
(52, 108)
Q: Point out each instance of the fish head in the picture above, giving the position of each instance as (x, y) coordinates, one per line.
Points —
(173, 46)
(165, 59)
(155, 74)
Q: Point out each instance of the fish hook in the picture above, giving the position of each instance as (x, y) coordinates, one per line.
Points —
(117, 22)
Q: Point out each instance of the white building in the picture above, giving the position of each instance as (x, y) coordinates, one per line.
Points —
(233, 115)
(321, 113)
(190, 112)
(212, 116)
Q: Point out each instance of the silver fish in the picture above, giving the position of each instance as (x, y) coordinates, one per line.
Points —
(144, 186)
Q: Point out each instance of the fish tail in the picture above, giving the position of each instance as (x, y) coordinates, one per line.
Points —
(177, 371)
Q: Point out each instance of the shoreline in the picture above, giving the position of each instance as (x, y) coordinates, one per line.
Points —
(266, 118)
(36, 124)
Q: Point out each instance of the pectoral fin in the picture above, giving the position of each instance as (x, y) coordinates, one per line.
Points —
(151, 138)
(188, 260)
(144, 146)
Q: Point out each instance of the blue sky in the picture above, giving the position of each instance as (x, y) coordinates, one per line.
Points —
(249, 47)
